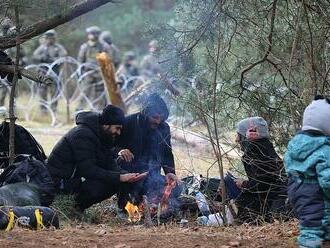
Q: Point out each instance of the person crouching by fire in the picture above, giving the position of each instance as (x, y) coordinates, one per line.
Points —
(82, 162)
(146, 140)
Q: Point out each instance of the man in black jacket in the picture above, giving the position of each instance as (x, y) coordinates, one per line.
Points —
(147, 141)
(82, 162)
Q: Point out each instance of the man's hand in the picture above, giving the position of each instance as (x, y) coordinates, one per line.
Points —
(132, 177)
(126, 155)
(239, 182)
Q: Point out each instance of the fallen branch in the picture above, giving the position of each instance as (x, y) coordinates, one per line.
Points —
(56, 20)
(34, 76)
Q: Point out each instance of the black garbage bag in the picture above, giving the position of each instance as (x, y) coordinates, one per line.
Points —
(32, 217)
(30, 170)
(19, 194)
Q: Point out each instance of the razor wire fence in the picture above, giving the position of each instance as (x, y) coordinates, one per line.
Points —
(75, 87)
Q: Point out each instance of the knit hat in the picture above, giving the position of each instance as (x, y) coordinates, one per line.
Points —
(154, 104)
(317, 116)
(112, 115)
(253, 128)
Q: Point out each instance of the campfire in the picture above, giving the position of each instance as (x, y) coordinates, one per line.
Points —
(134, 214)
(154, 208)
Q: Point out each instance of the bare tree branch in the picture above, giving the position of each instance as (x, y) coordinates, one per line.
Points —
(270, 44)
(34, 76)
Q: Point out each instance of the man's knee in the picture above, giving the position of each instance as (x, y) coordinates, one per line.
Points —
(92, 192)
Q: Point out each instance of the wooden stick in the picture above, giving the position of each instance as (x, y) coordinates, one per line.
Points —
(108, 74)
(147, 216)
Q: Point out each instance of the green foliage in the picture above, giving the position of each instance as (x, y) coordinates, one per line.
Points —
(238, 34)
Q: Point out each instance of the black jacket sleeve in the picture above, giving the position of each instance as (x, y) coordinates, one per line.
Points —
(85, 151)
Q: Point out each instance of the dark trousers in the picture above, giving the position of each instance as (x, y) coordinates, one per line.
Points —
(92, 191)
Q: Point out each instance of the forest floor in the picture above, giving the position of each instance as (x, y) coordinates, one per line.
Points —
(111, 233)
(127, 236)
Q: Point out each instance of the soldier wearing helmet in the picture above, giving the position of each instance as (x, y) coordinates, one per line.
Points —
(127, 70)
(7, 28)
(47, 52)
(92, 82)
(149, 64)
(106, 38)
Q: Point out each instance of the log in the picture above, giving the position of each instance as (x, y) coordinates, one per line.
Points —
(108, 74)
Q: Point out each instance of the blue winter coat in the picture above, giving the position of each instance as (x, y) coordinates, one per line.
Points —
(307, 162)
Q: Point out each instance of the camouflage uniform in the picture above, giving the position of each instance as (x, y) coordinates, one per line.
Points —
(6, 28)
(150, 67)
(48, 53)
(127, 70)
(106, 38)
(87, 54)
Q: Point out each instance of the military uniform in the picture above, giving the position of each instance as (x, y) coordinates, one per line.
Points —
(92, 83)
(48, 53)
(11, 52)
(128, 70)
(114, 52)
(150, 67)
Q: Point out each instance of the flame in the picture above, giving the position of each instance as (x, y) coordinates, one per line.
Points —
(133, 212)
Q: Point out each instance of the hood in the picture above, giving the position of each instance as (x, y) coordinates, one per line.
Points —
(304, 145)
(155, 104)
(90, 119)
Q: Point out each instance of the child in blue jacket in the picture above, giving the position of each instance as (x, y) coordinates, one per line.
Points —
(307, 162)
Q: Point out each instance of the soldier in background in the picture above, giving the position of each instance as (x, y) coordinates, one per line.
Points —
(106, 38)
(49, 51)
(150, 67)
(6, 29)
(128, 69)
(93, 81)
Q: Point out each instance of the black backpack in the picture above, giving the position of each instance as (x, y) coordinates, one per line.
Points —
(30, 170)
(25, 143)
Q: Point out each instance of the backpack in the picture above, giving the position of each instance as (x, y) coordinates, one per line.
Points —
(25, 143)
(30, 170)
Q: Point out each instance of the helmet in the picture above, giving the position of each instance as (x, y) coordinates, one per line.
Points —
(6, 25)
(153, 43)
(50, 34)
(95, 30)
(130, 55)
(106, 36)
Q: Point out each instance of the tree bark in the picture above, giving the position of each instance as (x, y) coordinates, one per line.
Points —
(44, 25)
(12, 117)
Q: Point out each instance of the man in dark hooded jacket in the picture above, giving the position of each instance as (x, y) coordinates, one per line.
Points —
(147, 141)
(82, 162)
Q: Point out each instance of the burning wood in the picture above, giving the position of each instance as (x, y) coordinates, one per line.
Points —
(133, 211)
(170, 183)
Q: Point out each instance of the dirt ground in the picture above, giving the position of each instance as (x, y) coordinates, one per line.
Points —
(99, 236)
